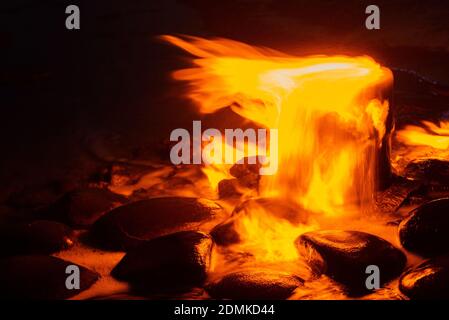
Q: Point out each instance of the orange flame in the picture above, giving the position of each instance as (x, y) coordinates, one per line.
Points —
(329, 112)
(432, 135)
(429, 141)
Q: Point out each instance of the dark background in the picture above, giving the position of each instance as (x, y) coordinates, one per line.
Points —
(60, 89)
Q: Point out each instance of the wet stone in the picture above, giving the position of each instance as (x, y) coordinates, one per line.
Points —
(122, 174)
(344, 256)
(229, 188)
(128, 226)
(429, 280)
(172, 263)
(250, 181)
(247, 173)
(38, 237)
(81, 208)
(163, 188)
(430, 171)
(255, 284)
(225, 233)
(426, 230)
(389, 200)
(39, 277)
(37, 196)
(240, 170)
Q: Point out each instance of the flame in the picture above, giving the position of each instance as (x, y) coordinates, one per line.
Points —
(428, 141)
(270, 235)
(330, 115)
(217, 169)
(430, 134)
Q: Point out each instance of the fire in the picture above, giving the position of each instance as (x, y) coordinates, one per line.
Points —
(428, 141)
(270, 234)
(330, 113)
(217, 169)
(432, 135)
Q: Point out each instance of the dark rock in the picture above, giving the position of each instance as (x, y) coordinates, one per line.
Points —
(435, 192)
(429, 280)
(172, 263)
(129, 225)
(255, 284)
(234, 188)
(162, 188)
(389, 200)
(229, 188)
(426, 230)
(225, 234)
(430, 171)
(39, 277)
(81, 208)
(126, 174)
(247, 174)
(250, 181)
(38, 237)
(240, 170)
(38, 196)
(344, 256)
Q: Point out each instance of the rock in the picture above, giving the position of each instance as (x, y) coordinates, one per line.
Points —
(429, 280)
(225, 233)
(255, 285)
(240, 170)
(430, 171)
(171, 263)
(38, 237)
(250, 181)
(247, 174)
(129, 225)
(81, 208)
(426, 230)
(389, 200)
(229, 188)
(126, 174)
(235, 188)
(344, 256)
(39, 277)
(166, 187)
(37, 196)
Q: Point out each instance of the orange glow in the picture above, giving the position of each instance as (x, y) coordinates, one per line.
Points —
(269, 235)
(428, 141)
(217, 169)
(330, 113)
(432, 135)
